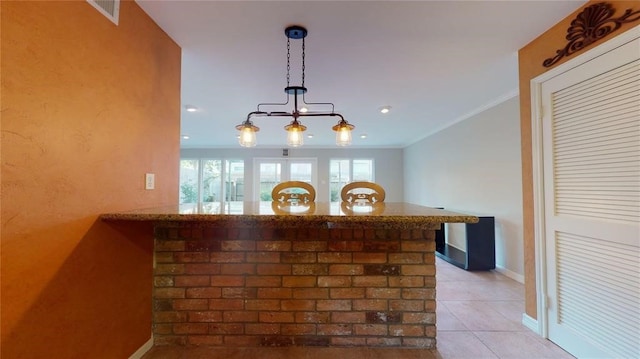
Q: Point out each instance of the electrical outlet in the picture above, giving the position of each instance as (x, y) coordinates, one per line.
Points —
(149, 181)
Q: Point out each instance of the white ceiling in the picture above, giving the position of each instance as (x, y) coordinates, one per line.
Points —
(434, 62)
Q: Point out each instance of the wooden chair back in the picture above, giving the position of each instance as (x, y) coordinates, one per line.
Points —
(293, 191)
(362, 191)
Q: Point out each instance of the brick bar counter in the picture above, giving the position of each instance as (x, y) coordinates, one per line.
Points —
(255, 274)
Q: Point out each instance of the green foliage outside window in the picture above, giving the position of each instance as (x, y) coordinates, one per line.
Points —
(189, 192)
(335, 196)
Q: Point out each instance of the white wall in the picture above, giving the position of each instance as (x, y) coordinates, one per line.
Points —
(474, 167)
(387, 164)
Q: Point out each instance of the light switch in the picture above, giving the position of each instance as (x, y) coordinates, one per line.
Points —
(149, 181)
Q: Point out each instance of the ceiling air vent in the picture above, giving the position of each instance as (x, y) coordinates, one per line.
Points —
(108, 8)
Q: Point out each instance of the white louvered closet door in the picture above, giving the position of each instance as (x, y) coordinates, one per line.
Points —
(591, 156)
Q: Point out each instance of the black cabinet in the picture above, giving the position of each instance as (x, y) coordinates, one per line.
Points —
(480, 253)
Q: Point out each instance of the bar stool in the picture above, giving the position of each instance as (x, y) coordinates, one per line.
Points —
(362, 191)
(293, 191)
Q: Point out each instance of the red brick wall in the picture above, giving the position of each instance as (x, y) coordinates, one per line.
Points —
(294, 286)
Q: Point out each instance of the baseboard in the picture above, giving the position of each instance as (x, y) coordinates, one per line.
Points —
(143, 349)
(530, 323)
(513, 275)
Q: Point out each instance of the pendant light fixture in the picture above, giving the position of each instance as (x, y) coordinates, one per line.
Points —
(295, 135)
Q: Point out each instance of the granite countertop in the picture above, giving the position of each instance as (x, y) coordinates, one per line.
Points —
(388, 213)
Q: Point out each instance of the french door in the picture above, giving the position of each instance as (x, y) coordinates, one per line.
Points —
(271, 171)
(590, 210)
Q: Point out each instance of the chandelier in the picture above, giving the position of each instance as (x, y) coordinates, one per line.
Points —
(295, 129)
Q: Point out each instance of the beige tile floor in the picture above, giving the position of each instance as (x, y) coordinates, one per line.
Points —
(479, 316)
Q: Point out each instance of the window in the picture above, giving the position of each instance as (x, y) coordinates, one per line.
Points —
(234, 181)
(211, 180)
(363, 170)
(270, 175)
(343, 171)
(271, 171)
(189, 181)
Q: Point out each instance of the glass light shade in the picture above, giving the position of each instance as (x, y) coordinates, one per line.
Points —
(247, 136)
(295, 136)
(343, 133)
(343, 136)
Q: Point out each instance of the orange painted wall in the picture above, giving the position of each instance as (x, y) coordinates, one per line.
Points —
(530, 66)
(88, 108)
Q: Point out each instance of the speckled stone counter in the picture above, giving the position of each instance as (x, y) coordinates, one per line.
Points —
(383, 215)
(260, 274)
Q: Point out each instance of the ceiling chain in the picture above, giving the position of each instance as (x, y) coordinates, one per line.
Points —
(288, 59)
(303, 62)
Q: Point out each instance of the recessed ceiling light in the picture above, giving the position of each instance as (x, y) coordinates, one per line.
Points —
(185, 137)
(310, 135)
(304, 109)
(190, 108)
(364, 135)
(385, 109)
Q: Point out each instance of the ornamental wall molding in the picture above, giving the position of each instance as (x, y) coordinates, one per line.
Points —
(592, 24)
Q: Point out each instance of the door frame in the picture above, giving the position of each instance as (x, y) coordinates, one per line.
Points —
(541, 325)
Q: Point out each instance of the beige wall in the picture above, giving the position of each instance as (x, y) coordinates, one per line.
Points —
(88, 107)
(530, 59)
